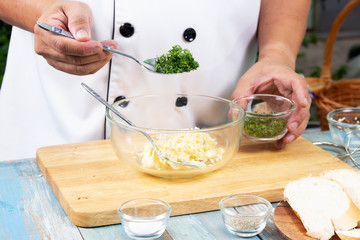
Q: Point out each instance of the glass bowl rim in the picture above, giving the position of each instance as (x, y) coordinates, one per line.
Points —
(252, 96)
(329, 117)
(263, 213)
(145, 219)
(138, 128)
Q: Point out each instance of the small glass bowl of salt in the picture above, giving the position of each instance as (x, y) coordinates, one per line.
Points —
(245, 215)
(144, 218)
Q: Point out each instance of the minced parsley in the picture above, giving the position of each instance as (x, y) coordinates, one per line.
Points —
(177, 60)
(263, 127)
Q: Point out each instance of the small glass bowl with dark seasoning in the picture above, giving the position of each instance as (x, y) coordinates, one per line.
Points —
(245, 215)
(266, 116)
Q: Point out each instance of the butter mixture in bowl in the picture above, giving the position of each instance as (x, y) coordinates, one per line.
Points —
(187, 128)
(199, 149)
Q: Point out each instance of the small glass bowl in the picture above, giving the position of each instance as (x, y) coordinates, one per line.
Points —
(144, 218)
(245, 215)
(266, 116)
(344, 125)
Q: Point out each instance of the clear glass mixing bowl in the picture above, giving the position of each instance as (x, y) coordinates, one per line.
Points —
(192, 128)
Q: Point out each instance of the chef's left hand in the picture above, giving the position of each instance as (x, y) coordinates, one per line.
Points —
(272, 76)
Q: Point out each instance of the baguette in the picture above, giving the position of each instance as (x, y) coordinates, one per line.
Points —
(322, 205)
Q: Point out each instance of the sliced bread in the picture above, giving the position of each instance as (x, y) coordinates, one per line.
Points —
(322, 205)
(350, 181)
(353, 234)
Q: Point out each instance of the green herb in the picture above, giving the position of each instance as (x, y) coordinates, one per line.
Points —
(263, 127)
(177, 60)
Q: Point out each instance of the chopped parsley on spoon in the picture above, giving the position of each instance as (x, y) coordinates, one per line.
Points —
(177, 60)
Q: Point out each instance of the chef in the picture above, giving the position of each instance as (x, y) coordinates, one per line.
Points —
(42, 102)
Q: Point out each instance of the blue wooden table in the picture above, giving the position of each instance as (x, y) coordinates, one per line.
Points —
(30, 210)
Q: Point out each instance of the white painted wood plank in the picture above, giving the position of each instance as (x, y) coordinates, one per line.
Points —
(188, 227)
(108, 233)
(325, 136)
(29, 209)
(104, 233)
(271, 232)
(214, 224)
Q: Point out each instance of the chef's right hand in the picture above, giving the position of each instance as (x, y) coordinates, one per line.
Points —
(81, 56)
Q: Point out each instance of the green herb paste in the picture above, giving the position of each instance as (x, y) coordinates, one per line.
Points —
(263, 127)
(177, 60)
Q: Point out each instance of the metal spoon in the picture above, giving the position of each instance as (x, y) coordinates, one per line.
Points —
(349, 154)
(148, 64)
(157, 150)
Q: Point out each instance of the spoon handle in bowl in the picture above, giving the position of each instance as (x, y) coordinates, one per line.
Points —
(98, 97)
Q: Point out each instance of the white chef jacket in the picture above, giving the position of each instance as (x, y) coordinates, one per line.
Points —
(41, 106)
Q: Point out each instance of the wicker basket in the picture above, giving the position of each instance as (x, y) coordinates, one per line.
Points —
(329, 94)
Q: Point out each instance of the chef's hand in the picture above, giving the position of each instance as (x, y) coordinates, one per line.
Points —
(270, 75)
(81, 56)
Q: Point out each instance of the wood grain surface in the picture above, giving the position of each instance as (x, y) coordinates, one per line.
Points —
(289, 224)
(90, 182)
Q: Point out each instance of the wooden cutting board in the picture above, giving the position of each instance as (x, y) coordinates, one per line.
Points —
(290, 225)
(90, 182)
